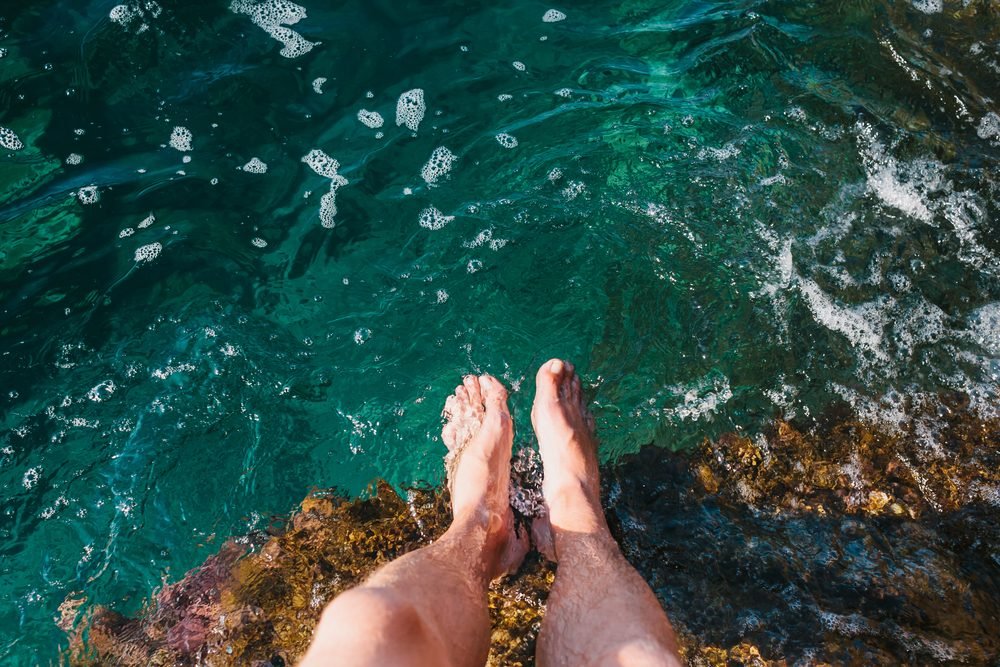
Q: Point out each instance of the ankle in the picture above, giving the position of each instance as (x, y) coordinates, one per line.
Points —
(575, 506)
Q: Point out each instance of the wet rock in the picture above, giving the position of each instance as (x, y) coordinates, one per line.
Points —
(842, 544)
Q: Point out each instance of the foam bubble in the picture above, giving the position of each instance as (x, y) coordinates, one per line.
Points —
(258, 242)
(889, 184)
(506, 140)
(125, 233)
(519, 66)
(928, 6)
(442, 296)
(701, 398)
(989, 126)
(9, 140)
(180, 138)
(122, 15)
(255, 166)
(147, 221)
(88, 195)
(564, 92)
(371, 119)
(321, 163)
(431, 218)
(573, 190)
(719, 154)
(410, 109)
(328, 206)
(555, 174)
(318, 84)
(273, 16)
(31, 477)
(102, 391)
(74, 158)
(439, 165)
(148, 253)
(984, 325)
(504, 97)
(855, 324)
(553, 16)
(326, 166)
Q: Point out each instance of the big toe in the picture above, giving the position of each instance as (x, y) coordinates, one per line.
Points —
(549, 379)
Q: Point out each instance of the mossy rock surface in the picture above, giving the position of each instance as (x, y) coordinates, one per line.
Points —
(843, 545)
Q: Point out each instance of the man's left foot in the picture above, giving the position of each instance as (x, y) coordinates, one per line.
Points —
(479, 434)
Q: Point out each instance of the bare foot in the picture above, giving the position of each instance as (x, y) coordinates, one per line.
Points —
(566, 442)
(479, 434)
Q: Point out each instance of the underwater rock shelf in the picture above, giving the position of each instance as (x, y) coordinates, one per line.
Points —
(843, 545)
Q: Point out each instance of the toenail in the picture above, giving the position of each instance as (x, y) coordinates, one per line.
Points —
(555, 365)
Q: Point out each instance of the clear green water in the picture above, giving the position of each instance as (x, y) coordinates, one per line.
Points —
(721, 211)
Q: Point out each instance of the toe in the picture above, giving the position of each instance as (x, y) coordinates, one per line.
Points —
(575, 389)
(493, 390)
(471, 383)
(548, 379)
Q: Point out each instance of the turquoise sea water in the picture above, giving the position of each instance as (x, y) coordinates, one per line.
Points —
(721, 211)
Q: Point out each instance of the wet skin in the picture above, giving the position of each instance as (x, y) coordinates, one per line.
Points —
(429, 606)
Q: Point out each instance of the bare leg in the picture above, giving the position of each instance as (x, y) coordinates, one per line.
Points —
(600, 611)
(429, 606)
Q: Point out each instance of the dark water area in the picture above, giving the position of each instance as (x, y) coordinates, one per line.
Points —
(247, 248)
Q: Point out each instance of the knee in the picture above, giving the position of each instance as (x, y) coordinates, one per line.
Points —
(372, 610)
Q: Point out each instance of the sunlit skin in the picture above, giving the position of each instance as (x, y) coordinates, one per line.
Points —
(429, 607)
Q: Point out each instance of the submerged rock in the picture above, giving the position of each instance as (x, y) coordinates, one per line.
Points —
(842, 545)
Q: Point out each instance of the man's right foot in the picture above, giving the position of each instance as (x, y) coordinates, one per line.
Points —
(566, 442)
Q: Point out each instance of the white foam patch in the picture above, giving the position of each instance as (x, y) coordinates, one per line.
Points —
(438, 165)
(506, 140)
(431, 218)
(888, 182)
(326, 166)
(564, 92)
(519, 66)
(984, 327)
(442, 296)
(122, 15)
(989, 126)
(258, 242)
(553, 16)
(31, 477)
(321, 163)
(702, 398)
(88, 195)
(505, 97)
(147, 221)
(573, 190)
(74, 158)
(255, 166)
(9, 140)
(719, 154)
(273, 16)
(148, 253)
(371, 119)
(318, 84)
(180, 139)
(125, 233)
(410, 109)
(854, 323)
(928, 6)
